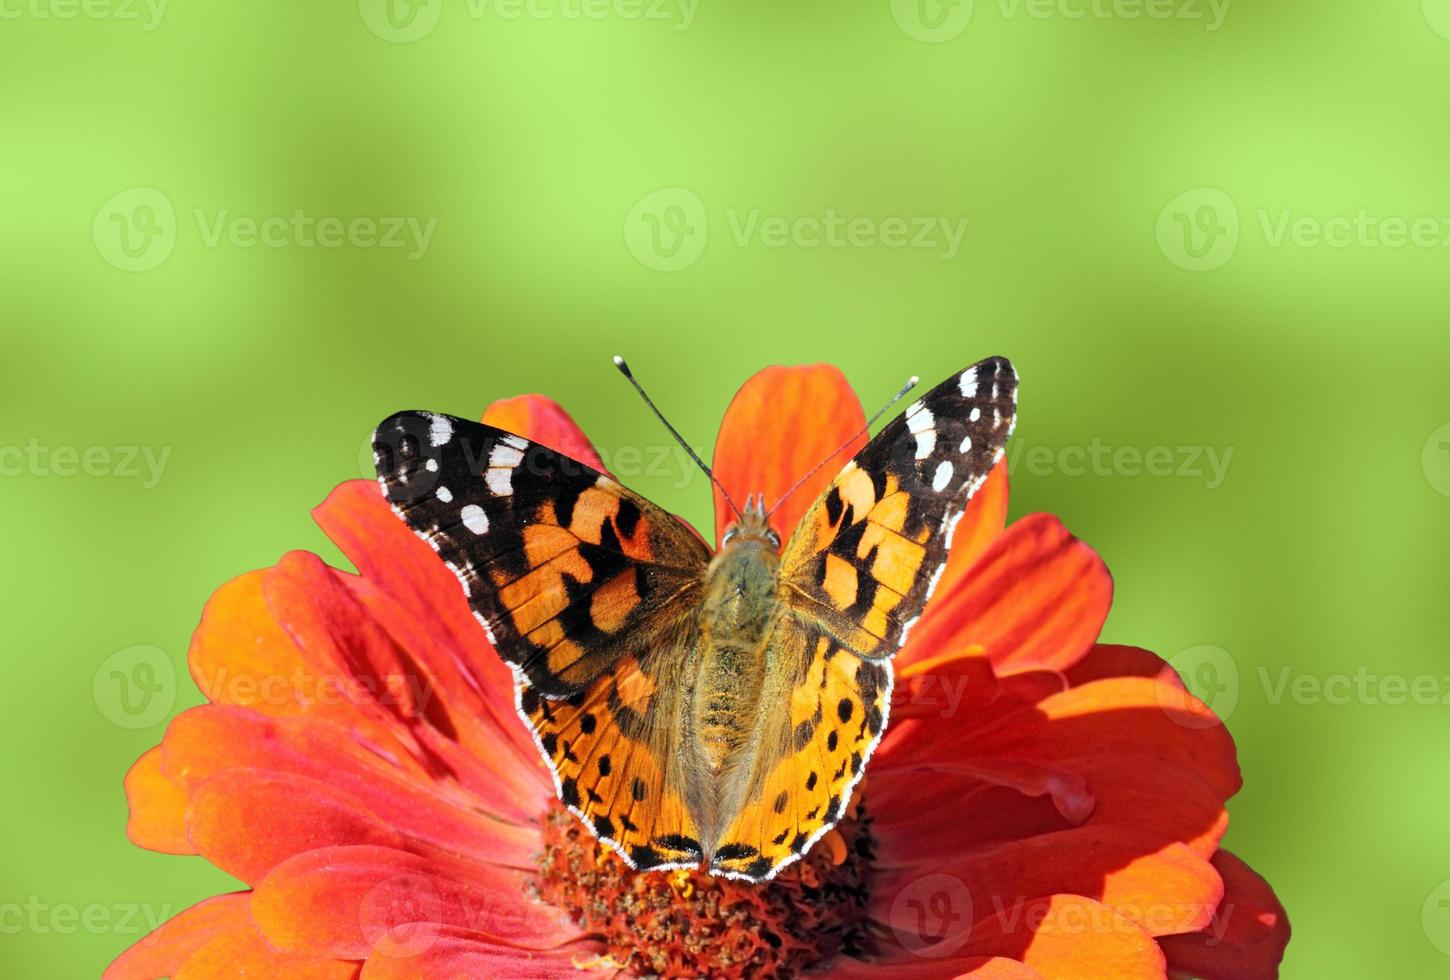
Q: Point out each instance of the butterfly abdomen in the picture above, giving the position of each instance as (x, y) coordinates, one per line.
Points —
(740, 606)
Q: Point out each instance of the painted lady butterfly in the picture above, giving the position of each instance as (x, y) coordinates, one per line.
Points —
(699, 707)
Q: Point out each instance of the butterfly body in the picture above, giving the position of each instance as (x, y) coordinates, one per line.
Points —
(697, 707)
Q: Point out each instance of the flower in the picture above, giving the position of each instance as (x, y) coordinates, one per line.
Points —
(1041, 805)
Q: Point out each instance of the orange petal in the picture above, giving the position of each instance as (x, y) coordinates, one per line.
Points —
(244, 953)
(782, 423)
(1037, 599)
(343, 901)
(239, 655)
(1248, 934)
(162, 951)
(447, 951)
(544, 421)
(158, 807)
(248, 821)
(1068, 937)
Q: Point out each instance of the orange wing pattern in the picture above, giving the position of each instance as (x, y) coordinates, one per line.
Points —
(809, 757)
(567, 570)
(868, 553)
(617, 761)
(854, 579)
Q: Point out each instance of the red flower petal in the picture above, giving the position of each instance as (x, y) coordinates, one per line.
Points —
(158, 807)
(394, 562)
(244, 953)
(345, 901)
(544, 421)
(783, 422)
(248, 821)
(453, 952)
(162, 951)
(1037, 599)
(1247, 937)
(212, 740)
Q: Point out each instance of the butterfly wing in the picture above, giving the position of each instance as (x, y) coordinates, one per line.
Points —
(869, 551)
(855, 576)
(567, 570)
(589, 591)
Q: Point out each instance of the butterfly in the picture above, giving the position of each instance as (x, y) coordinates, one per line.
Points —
(698, 707)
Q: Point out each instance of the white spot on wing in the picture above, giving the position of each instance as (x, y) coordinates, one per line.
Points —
(444, 494)
(474, 519)
(921, 423)
(969, 383)
(943, 476)
(518, 442)
(440, 429)
(966, 445)
(500, 481)
(505, 455)
(431, 465)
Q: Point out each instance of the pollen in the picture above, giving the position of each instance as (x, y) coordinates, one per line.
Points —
(688, 923)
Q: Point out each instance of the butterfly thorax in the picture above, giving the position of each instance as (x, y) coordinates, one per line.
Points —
(740, 605)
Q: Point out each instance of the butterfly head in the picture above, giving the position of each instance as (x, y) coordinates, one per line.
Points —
(753, 528)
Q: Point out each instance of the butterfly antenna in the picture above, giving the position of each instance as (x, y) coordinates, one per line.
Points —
(624, 370)
(905, 389)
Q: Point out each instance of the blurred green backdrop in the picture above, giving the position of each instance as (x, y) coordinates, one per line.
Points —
(1216, 229)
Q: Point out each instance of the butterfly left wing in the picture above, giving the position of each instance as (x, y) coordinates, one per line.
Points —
(855, 576)
(589, 591)
(565, 568)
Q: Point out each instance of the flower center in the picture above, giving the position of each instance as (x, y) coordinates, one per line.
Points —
(692, 924)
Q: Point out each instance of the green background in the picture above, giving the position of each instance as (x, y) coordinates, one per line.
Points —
(1066, 142)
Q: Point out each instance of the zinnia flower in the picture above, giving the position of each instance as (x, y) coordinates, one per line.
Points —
(1041, 804)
